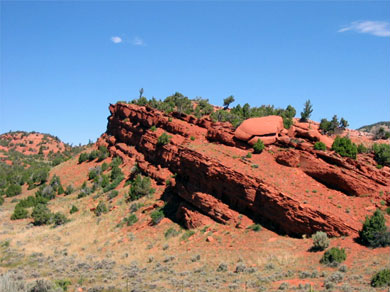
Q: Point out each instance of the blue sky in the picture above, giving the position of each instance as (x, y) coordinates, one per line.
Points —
(62, 63)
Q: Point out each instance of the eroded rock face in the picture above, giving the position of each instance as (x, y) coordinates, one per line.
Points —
(212, 188)
(265, 128)
(348, 176)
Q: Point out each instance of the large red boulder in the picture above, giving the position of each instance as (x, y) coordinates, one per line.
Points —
(264, 126)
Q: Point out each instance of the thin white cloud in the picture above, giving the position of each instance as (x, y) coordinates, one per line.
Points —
(376, 28)
(137, 41)
(116, 39)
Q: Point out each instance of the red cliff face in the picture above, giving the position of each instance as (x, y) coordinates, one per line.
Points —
(216, 180)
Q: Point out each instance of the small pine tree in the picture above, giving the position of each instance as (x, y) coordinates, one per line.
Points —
(307, 110)
(343, 123)
(227, 101)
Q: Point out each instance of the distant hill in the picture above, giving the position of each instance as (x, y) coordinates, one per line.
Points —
(373, 128)
(31, 143)
(34, 146)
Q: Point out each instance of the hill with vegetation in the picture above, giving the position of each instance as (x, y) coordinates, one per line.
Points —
(380, 130)
(181, 195)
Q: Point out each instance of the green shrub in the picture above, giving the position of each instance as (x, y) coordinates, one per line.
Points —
(74, 209)
(104, 166)
(157, 216)
(255, 227)
(102, 153)
(334, 255)
(63, 284)
(69, 189)
(116, 172)
(83, 157)
(93, 155)
(171, 232)
(330, 127)
(46, 192)
(101, 208)
(320, 241)
(93, 173)
(187, 234)
(40, 175)
(13, 190)
(153, 128)
(249, 155)
(60, 190)
(140, 187)
(114, 184)
(258, 146)
(19, 213)
(374, 231)
(163, 139)
(135, 207)
(59, 219)
(28, 202)
(382, 154)
(104, 181)
(41, 215)
(362, 149)
(381, 278)
(113, 194)
(1, 200)
(55, 183)
(344, 147)
(132, 219)
(116, 161)
(320, 146)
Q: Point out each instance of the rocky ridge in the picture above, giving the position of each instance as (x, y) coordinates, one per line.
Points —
(207, 175)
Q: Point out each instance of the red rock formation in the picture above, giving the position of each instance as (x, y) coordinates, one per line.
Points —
(343, 174)
(222, 190)
(266, 129)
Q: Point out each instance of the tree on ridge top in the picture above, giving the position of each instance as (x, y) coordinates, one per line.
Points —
(227, 101)
(307, 110)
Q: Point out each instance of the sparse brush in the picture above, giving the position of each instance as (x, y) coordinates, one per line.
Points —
(320, 241)
(171, 232)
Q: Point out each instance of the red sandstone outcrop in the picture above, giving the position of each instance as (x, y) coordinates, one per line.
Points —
(215, 188)
(265, 128)
(336, 172)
